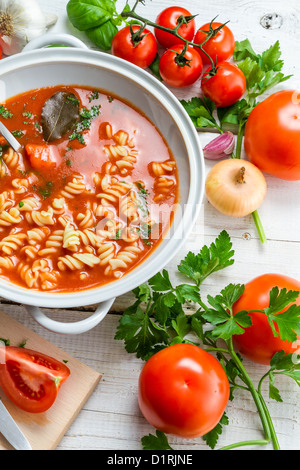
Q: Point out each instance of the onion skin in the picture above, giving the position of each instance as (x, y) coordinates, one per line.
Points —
(235, 187)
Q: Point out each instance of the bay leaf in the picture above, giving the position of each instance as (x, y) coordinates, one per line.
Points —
(60, 114)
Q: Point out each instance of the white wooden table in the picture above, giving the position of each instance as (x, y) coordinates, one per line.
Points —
(111, 419)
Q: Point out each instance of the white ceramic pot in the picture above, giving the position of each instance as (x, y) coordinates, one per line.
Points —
(81, 66)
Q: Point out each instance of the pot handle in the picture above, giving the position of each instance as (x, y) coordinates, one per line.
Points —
(51, 39)
(73, 328)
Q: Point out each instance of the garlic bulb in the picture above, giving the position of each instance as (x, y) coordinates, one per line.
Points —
(20, 22)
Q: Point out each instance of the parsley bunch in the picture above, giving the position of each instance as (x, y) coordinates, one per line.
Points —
(157, 319)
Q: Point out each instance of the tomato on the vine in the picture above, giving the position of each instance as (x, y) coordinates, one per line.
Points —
(139, 48)
(180, 70)
(169, 19)
(272, 135)
(226, 86)
(183, 390)
(219, 47)
(30, 379)
(258, 342)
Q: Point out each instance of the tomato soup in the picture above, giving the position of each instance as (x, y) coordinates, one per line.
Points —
(90, 194)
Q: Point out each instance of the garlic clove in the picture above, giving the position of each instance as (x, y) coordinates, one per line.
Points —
(50, 19)
(220, 147)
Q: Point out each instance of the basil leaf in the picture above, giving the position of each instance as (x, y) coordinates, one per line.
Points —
(103, 35)
(88, 14)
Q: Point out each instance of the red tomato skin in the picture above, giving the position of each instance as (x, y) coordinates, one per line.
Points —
(175, 75)
(183, 390)
(226, 87)
(272, 135)
(142, 55)
(221, 47)
(258, 343)
(43, 371)
(168, 18)
(0, 53)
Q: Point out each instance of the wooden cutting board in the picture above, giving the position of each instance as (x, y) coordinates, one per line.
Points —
(45, 430)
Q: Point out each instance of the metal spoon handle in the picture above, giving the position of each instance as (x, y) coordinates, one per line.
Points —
(9, 137)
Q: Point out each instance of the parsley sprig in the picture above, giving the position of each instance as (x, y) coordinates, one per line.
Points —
(158, 319)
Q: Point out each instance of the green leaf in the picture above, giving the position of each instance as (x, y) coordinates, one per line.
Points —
(154, 67)
(270, 58)
(211, 438)
(201, 112)
(187, 292)
(209, 260)
(243, 49)
(234, 325)
(103, 35)
(181, 325)
(252, 71)
(161, 281)
(230, 295)
(157, 442)
(142, 292)
(226, 323)
(273, 391)
(280, 299)
(88, 14)
(283, 364)
(288, 321)
(139, 332)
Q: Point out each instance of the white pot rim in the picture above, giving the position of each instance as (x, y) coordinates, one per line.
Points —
(167, 99)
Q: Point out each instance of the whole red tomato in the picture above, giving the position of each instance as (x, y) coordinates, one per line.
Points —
(272, 135)
(168, 18)
(225, 87)
(140, 52)
(178, 71)
(30, 379)
(183, 390)
(258, 342)
(219, 47)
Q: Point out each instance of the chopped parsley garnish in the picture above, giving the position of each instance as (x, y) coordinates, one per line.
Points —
(5, 113)
(44, 191)
(38, 126)
(86, 117)
(17, 133)
(27, 114)
(94, 95)
(73, 100)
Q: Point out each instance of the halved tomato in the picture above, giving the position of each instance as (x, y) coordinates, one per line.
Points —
(30, 379)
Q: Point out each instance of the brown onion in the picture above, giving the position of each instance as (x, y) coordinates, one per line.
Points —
(235, 187)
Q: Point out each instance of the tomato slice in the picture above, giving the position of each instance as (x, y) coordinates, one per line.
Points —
(30, 379)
